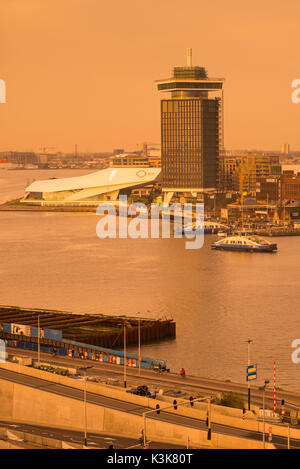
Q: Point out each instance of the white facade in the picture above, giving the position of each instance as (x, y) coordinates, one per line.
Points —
(90, 188)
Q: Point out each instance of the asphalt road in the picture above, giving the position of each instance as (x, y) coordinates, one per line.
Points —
(169, 380)
(93, 440)
(136, 409)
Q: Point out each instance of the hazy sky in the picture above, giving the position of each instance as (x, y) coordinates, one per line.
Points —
(83, 71)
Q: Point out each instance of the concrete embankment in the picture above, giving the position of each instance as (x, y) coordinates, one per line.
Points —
(35, 406)
(220, 415)
(24, 404)
(15, 439)
(16, 205)
(276, 232)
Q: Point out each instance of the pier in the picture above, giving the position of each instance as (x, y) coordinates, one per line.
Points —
(92, 329)
(279, 232)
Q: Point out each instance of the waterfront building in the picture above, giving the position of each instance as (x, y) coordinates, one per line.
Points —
(90, 189)
(229, 173)
(154, 157)
(268, 189)
(283, 189)
(290, 187)
(191, 132)
(252, 168)
(131, 160)
(19, 158)
(242, 172)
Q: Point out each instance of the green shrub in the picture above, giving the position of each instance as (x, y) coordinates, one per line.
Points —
(231, 400)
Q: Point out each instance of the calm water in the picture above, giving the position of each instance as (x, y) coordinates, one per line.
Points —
(218, 299)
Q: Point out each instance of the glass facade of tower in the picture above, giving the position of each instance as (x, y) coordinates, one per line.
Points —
(190, 142)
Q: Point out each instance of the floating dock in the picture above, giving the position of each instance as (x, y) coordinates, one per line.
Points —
(92, 329)
(276, 232)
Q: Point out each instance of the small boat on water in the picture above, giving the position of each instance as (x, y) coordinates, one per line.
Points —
(244, 243)
(243, 232)
(215, 227)
(208, 227)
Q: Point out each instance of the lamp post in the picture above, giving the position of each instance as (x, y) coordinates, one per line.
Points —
(84, 368)
(39, 353)
(249, 398)
(125, 323)
(209, 421)
(125, 355)
(263, 388)
(139, 334)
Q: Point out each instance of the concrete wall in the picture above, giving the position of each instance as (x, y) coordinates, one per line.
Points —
(37, 440)
(38, 407)
(120, 394)
(216, 409)
(103, 390)
(27, 361)
(230, 420)
(17, 439)
(6, 399)
(9, 445)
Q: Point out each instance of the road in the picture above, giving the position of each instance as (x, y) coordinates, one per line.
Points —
(102, 441)
(169, 380)
(135, 409)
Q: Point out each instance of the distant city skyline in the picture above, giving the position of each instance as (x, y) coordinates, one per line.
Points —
(82, 72)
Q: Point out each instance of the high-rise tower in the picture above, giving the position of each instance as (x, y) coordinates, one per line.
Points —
(191, 131)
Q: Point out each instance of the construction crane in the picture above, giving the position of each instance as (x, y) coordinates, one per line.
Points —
(145, 146)
(47, 148)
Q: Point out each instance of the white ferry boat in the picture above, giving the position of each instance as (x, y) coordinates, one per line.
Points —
(207, 227)
(245, 243)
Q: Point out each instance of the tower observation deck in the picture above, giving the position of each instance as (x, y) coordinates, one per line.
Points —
(191, 130)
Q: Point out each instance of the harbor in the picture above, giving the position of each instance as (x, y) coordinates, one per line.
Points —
(211, 224)
(95, 337)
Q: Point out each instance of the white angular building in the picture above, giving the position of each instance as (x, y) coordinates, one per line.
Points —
(106, 184)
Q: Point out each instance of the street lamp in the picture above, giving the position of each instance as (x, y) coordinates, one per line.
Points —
(126, 323)
(84, 368)
(125, 355)
(263, 388)
(39, 348)
(249, 342)
(209, 421)
(139, 334)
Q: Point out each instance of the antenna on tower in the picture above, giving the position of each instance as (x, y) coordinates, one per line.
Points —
(189, 57)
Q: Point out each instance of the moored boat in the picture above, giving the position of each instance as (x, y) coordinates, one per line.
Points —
(245, 243)
(222, 234)
(207, 227)
(214, 227)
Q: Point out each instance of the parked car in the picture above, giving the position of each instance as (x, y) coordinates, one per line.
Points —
(142, 391)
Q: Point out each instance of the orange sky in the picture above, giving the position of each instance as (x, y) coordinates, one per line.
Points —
(83, 71)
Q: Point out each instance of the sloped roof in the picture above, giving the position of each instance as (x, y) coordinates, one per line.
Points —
(105, 177)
